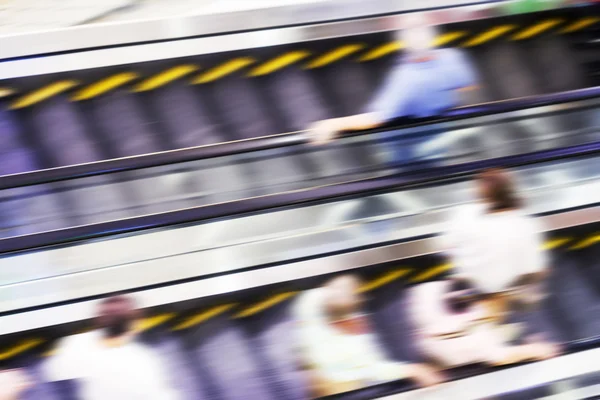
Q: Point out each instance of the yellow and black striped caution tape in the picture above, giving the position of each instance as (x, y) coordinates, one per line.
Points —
(203, 316)
(556, 243)
(363, 52)
(223, 70)
(279, 62)
(23, 346)
(490, 34)
(536, 29)
(587, 242)
(43, 93)
(165, 77)
(432, 272)
(580, 24)
(335, 55)
(104, 86)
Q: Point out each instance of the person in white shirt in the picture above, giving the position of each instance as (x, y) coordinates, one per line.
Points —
(337, 346)
(13, 383)
(495, 244)
(108, 362)
(456, 325)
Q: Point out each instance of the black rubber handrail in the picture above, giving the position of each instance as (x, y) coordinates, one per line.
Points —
(286, 199)
(270, 142)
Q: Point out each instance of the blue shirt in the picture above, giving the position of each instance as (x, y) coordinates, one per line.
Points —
(423, 89)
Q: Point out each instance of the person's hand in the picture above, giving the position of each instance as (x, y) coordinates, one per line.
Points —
(424, 375)
(13, 383)
(322, 132)
(544, 350)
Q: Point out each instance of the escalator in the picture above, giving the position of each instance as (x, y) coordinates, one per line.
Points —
(109, 113)
(219, 295)
(152, 107)
(240, 345)
(266, 172)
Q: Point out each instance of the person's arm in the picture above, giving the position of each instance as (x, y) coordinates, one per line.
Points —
(65, 364)
(13, 383)
(389, 103)
(497, 352)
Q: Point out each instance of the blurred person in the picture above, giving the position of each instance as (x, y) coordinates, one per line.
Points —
(424, 84)
(496, 245)
(338, 347)
(108, 362)
(457, 325)
(13, 383)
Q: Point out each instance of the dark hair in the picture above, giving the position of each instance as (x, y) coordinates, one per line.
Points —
(116, 315)
(500, 190)
(464, 301)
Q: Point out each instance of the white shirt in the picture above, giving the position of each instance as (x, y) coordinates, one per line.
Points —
(453, 338)
(337, 356)
(493, 249)
(127, 372)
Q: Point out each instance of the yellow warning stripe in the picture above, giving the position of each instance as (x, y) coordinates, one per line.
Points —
(449, 37)
(6, 91)
(263, 305)
(586, 242)
(382, 51)
(279, 62)
(203, 316)
(536, 29)
(165, 77)
(152, 322)
(384, 279)
(489, 35)
(104, 86)
(553, 244)
(20, 348)
(43, 93)
(223, 70)
(335, 55)
(432, 272)
(581, 24)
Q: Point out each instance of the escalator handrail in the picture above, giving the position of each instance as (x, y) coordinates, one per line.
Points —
(271, 142)
(313, 195)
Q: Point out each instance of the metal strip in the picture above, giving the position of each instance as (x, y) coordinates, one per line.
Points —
(511, 380)
(86, 58)
(285, 199)
(229, 283)
(111, 34)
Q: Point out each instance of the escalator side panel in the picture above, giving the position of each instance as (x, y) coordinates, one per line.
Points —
(188, 122)
(274, 337)
(123, 125)
(176, 364)
(218, 345)
(30, 209)
(556, 64)
(571, 298)
(57, 127)
(509, 77)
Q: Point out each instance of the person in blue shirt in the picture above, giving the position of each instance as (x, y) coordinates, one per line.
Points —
(424, 84)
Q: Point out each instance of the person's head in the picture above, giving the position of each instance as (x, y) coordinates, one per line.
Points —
(116, 316)
(461, 295)
(342, 297)
(418, 36)
(496, 188)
